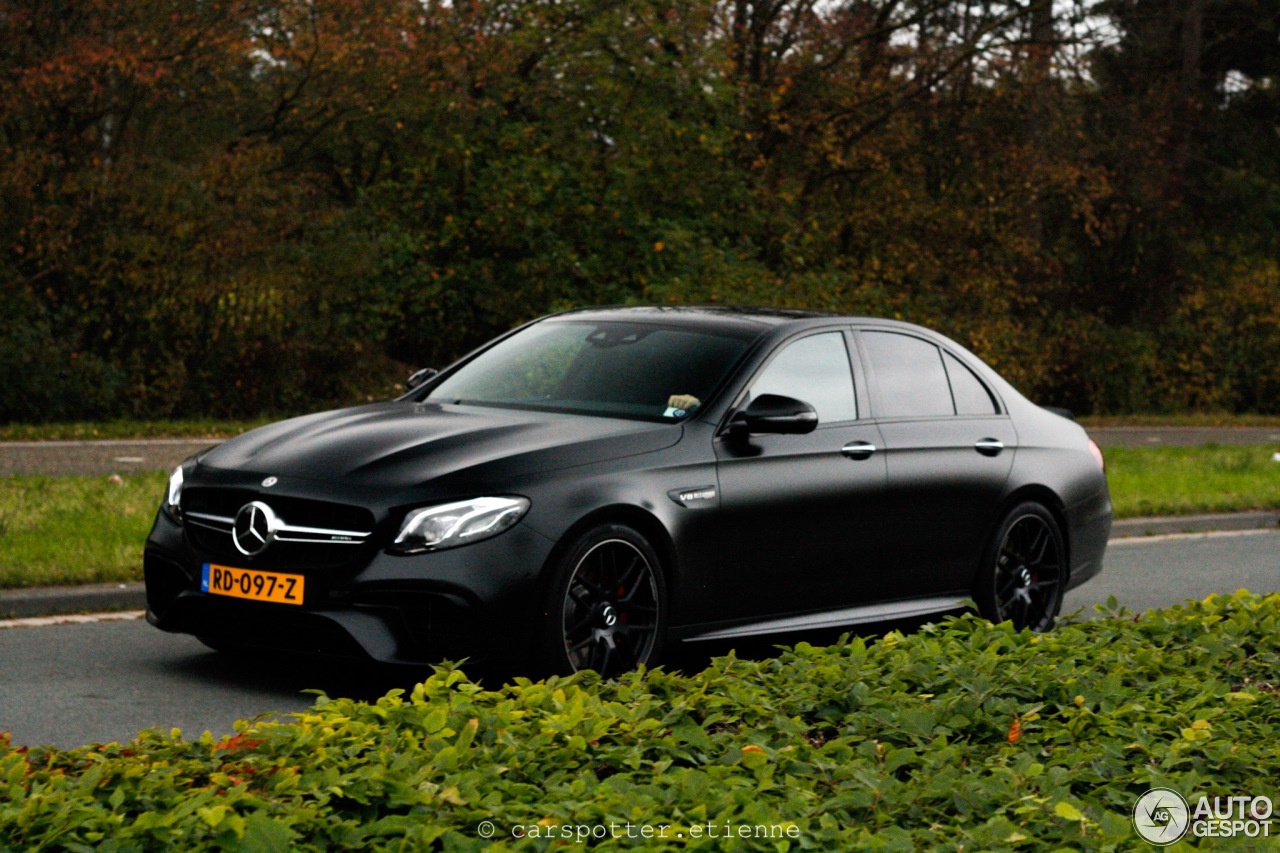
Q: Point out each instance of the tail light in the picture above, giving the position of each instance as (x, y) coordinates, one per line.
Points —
(1097, 454)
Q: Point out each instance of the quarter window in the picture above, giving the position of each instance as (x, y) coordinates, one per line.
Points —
(816, 370)
(971, 396)
(910, 375)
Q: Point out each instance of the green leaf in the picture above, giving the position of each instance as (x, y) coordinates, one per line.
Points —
(1068, 812)
(264, 835)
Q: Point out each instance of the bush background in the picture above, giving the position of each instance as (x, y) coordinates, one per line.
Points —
(962, 735)
(247, 207)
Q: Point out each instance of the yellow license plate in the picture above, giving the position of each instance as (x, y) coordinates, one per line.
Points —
(252, 584)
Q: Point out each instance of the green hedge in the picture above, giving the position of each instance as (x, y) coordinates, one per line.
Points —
(964, 736)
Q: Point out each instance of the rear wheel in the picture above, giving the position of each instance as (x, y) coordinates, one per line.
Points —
(606, 606)
(1024, 571)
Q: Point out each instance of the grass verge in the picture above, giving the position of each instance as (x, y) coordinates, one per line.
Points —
(963, 736)
(1186, 480)
(75, 530)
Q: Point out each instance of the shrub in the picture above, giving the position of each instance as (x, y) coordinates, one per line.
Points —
(964, 735)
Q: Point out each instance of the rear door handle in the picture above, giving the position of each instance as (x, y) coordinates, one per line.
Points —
(858, 449)
(989, 446)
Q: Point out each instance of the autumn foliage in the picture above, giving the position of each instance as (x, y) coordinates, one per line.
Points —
(243, 206)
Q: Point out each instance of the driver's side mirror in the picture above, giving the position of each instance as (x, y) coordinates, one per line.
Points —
(419, 378)
(775, 414)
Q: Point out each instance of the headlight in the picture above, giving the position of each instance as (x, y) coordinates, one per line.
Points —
(174, 496)
(461, 523)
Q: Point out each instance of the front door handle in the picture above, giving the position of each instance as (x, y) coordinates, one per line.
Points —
(858, 449)
(989, 446)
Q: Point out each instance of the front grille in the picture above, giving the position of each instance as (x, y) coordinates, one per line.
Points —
(281, 555)
(299, 511)
(209, 515)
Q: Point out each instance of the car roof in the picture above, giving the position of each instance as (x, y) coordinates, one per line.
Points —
(739, 312)
(732, 318)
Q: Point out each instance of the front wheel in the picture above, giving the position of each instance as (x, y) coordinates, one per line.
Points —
(1024, 571)
(606, 605)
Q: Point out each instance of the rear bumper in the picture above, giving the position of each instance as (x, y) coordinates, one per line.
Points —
(1089, 523)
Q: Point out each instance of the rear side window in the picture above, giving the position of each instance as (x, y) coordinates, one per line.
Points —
(909, 372)
(971, 396)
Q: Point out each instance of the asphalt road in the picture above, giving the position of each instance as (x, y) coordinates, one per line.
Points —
(56, 458)
(1184, 436)
(1159, 571)
(124, 457)
(70, 685)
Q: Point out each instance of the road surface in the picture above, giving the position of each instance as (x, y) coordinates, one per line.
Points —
(70, 685)
(1183, 436)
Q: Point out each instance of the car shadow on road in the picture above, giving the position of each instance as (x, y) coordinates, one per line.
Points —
(287, 676)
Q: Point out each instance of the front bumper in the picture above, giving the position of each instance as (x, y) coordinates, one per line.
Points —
(479, 601)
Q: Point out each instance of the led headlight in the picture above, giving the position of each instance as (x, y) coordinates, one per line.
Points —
(173, 498)
(450, 525)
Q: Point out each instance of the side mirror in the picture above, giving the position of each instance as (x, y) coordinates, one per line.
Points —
(419, 378)
(775, 414)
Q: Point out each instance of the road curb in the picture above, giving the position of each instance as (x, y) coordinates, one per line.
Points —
(104, 597)
(1164, 525)
(57, 600)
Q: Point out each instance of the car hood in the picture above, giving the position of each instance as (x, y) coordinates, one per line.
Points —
(401, 444)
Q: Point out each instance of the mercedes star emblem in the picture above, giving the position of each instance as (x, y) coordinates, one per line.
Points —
(254, 529)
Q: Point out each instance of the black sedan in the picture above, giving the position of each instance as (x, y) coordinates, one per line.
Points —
(600, 484)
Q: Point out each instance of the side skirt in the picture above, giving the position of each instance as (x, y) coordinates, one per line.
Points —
(837, 618)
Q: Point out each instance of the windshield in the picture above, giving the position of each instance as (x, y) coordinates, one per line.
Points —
(619, 369)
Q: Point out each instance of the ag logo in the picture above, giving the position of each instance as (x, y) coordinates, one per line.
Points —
(1161, 816)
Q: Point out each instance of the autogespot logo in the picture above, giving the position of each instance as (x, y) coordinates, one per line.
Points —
(1161, 816)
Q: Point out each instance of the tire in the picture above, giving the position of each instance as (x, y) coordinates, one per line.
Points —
(1024, 570)
(606, 605)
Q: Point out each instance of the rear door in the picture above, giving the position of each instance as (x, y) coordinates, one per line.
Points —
(949, 448)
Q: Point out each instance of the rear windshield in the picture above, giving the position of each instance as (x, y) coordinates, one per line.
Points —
(617, 369)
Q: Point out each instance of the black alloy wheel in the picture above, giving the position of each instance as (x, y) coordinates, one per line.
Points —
(1024, 572)
(606, 610)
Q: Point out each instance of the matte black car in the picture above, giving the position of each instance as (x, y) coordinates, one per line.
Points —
(600, 484)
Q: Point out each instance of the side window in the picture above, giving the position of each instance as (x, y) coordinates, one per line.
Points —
(971, 396)
(910, 375)
(816, 370)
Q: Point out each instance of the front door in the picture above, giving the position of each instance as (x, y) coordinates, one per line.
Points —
(801, 514)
